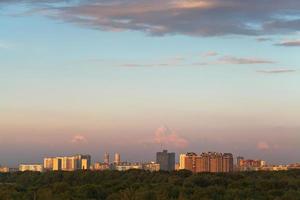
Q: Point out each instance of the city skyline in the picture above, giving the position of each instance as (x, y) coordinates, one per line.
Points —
(137, 77)
(205, 162)
(167, 160)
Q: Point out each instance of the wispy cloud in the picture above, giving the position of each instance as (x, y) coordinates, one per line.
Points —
(188, 17)
(243, 61)
(187, 61)
(209, 54)
(262, 146)
(79, 139)
(165, 62)
(263, 39)
(276, 71)
(289, 43)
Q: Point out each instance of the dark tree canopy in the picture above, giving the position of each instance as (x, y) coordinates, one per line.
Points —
(144, 185)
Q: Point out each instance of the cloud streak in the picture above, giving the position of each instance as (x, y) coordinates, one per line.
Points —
(276, 71)
(262, 146)
(209, 54)
(289, 43)
(243, 61)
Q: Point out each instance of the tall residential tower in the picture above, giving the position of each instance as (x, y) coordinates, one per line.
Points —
(166, 160)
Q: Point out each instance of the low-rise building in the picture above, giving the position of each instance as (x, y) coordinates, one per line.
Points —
(294, 166)
(4, 169)
(127, 166)
(274, 168)
(101, 166)
(31, 167)
(250, 165)
(152, 166)
(206, 162)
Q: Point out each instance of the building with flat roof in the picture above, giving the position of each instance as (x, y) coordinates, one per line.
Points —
(68, 163)
(127, 166)
(31, 167)
(206, 162)
(106, 158)
(166, 160)
(101, 166)
(4, 169)
(152, 166)
(250, 165)
(117, 159)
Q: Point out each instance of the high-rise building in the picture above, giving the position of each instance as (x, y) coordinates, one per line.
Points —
(206, 162)
(166, 160)
(83, 162)
(195, 163)
(57, 164)
(188, 161)
(48, 163)
(117, 158)
(34, 167)
(215, 162)
(238, 161)
(106, 158)
(182, 161)
(227, 162)
(68, 163)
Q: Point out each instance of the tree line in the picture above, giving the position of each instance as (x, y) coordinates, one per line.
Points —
(145, 185)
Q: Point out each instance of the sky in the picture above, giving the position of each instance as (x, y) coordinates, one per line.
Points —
(139, 76)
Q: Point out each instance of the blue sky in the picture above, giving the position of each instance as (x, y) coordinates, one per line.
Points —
(68, 86)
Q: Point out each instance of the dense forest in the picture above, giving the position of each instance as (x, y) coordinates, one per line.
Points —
(144, 185)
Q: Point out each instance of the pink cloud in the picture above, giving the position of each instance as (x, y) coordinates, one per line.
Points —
(263, 146)
(79, 139)
(167, 137)
(209, 54)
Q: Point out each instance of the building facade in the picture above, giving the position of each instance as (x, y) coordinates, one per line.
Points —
(68, 163)
(4, 169)
(117, 159)
(31, 167)
(166, 160)
(206, 162)
(152, 166)
(106, 158)
(250, 165)
(101, 166)
(127, 166)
